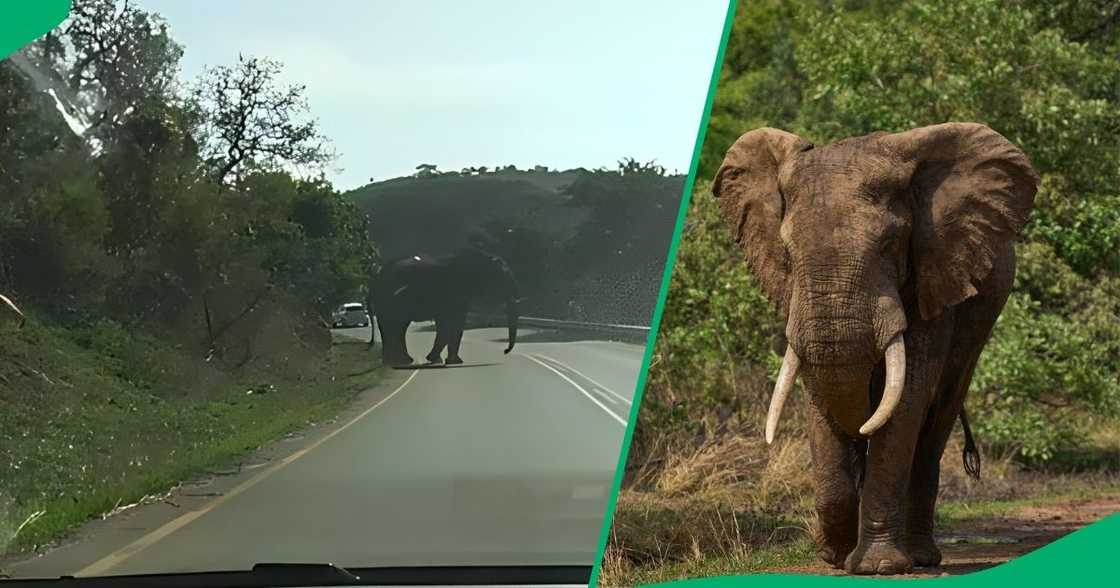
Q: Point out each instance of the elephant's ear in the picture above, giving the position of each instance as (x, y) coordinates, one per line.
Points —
(973, 191)
(746, 187)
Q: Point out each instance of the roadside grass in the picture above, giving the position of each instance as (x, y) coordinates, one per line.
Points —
(89, 425)
(733, 505)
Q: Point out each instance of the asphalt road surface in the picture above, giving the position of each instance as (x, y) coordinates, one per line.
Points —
(508, 459)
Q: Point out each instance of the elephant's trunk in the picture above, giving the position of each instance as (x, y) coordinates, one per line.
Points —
(844, 390)
(512, 316)
(838, 337)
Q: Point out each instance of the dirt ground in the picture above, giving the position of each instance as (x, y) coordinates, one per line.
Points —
(985, 543)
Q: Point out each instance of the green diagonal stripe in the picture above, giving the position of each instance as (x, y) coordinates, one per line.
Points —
(23, 21)
(620, 469)
(1082, 558)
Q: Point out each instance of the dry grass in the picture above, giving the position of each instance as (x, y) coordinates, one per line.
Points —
(729, 497)
(735, 504)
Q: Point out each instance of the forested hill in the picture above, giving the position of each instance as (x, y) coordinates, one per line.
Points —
(585, 244)
(434, 213)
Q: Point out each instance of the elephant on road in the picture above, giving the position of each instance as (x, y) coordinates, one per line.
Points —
(440, 289)
(890, 256)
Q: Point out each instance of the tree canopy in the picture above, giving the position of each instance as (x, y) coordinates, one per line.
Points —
(161, 203)
(1044, 74)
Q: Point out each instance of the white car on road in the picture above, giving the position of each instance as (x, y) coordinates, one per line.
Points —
(351, 314)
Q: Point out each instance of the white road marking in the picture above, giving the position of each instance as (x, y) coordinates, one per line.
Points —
(620, 420)
(114, 559)
(584, 376)
(602, 394)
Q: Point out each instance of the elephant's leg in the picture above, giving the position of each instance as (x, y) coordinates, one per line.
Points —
(384, 340)
(882, 545)
(436, 354)
(399, 332)
(961, 356)
(926, 472)
(882, 524)
(834, 485)
(391, 350)
(455, 338)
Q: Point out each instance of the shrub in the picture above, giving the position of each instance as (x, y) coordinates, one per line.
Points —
(716, 336)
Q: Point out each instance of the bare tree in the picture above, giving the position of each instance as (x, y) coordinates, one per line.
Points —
(249, 119)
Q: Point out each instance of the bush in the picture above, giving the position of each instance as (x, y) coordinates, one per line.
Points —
(1038, 374)
(716, 336)
(1040, 73)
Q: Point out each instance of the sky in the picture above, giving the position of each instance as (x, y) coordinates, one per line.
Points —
(395, 84)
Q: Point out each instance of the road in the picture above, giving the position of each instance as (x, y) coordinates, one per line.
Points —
(988, 541)
(508, 459)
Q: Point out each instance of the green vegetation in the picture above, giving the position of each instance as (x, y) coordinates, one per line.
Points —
(97, 418)
(175, 276)
(1046, 397)
(177, 251)
(584, 244)
(1044, 74)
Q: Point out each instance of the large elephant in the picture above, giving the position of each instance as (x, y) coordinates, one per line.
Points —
(890, 257)
(440, 289)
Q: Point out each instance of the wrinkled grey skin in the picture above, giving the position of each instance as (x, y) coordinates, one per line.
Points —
(440, 289)
(856, 243)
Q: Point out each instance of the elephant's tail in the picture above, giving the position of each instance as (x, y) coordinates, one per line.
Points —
(970, 454)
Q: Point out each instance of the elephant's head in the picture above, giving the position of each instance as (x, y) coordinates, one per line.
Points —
(852, 241)
(494, 277)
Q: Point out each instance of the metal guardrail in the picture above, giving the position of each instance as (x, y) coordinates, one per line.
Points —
(636, 333)
(628, 333)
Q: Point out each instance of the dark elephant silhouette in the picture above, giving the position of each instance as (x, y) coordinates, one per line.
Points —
(440, 289)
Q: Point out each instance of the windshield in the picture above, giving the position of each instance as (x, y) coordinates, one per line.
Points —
(367, 286)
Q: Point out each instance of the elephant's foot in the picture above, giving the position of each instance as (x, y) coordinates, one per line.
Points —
(454, 360)
(833, 556)
(837, 527)
(834, 547)
(923, 551)
(400, 361)
(878, 558)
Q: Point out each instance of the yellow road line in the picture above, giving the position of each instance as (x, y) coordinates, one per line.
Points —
(110, 561)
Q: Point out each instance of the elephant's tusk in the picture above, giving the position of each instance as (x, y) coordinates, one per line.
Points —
(892, 391)
(399, 291)
(786, 377)
(12, 305)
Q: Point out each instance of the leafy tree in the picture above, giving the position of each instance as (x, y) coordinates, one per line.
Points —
(251, 121)
(632, 211)
(115, 57)
(1043, 74)
(146, 159)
